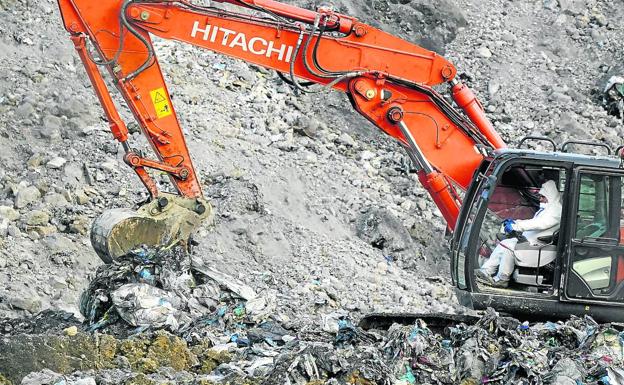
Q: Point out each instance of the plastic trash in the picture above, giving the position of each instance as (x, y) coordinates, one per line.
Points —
(140, 304)
(243, 291)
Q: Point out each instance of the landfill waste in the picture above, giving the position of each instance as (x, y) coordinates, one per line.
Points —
(225, 346)
(161, 288)
(158, 299)
(164, 289)
(613, 96)
(140, 304)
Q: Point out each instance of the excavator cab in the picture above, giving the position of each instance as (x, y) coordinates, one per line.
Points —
(579, 269)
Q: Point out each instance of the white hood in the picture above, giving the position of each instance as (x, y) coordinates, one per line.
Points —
(546, 221)
(549, 190)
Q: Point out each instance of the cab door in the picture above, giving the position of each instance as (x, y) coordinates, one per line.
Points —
(594, 269)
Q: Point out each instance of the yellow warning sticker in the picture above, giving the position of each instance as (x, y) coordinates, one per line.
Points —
(161, 103)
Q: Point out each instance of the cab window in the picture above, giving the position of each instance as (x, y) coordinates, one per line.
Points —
(593, 206)
(597, 255)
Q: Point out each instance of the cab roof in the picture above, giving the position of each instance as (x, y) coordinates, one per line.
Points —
(606, 161)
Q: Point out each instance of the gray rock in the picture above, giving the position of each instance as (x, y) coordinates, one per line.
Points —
(601, 20)
(80, 225)
(573, 7)
(81, 197)
(14, 231)
(569, 122)
(347, 140)
(56, 163)
(73, 172)
(429, 24)
(550, 4)
(4, 227)
(84, 381)
(367, 155)
(55, 199)
(44, 377)
(25, 111)
(57, 243)
(36, 218)
(100, 176)
(25, 299)
(9, 213)
(308, 126)
(493, 87)
(508, 37)
(560, 97)
(384, 231)
(51, 127)
(36, 160)
(57, 283)
(484, 52)
(109, 165)
(27, 195)
(72, 107)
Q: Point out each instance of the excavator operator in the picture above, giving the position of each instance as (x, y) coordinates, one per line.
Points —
(497, 270)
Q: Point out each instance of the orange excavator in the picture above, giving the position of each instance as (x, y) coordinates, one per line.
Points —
(459, 157)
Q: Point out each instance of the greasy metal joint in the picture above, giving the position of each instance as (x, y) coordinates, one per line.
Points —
(200, 208)
(163, 202)
(184, 173)
(395, 114)
(132, 159)
(135, 13)
(447, 72)
(386, 95)
(359, 30)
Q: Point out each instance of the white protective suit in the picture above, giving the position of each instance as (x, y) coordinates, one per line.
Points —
(544, 223)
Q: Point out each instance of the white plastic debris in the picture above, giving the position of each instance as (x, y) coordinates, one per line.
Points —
(243, 291)
(140, 304)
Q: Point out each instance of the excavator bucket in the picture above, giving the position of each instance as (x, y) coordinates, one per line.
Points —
(167, 220)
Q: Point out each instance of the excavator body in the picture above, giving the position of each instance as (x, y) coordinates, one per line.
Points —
(388, 81)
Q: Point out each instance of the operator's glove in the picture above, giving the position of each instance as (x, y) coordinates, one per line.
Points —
(504, 223)
(508, 226)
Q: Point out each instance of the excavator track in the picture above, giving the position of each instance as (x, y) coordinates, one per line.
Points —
(435, 321)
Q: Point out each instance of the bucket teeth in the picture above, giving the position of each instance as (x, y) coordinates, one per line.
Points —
(166, 220)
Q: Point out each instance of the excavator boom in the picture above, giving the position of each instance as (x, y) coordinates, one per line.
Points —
(388, 80)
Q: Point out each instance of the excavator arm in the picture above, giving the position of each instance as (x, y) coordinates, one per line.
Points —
(388, 80)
